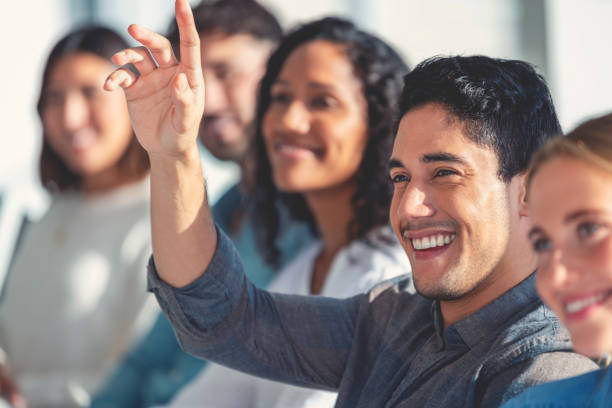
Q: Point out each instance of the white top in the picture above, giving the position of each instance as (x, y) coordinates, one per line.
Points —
(76, 296)
(17, 203)
(355, 269)
(220, 175)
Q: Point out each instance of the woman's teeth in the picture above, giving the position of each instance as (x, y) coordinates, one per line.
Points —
(432, 241)
(579, 305)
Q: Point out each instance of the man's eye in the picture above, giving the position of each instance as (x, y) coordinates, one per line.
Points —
(222, 73)
(399, 178)
(445, 172)
(541, 245)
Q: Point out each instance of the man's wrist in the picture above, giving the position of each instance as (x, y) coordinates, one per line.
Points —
(185, 158)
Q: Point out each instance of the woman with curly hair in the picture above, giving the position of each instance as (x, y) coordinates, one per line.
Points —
(324, 132)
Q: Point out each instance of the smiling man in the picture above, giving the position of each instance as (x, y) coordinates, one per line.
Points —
(475, 334)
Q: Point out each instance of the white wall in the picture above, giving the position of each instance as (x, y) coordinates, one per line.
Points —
(27, 29)
(422, 28)
(580, 34)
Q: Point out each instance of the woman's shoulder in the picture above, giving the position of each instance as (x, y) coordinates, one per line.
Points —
(588, 390)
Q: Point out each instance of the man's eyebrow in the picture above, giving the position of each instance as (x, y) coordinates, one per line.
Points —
(443, 157)
(393, 163)
(310, 84)
(218, 65)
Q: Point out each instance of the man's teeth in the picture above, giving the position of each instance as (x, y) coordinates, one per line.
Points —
(579, 305)
(432, 241)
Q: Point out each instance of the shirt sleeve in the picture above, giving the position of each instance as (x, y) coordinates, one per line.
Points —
(222, 317)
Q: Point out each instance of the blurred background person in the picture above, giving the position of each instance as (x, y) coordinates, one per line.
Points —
(237, 37)
(76, 296)
(570, 199)
(323, 136)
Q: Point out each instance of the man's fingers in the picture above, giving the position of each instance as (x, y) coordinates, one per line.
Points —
(121, 77)
(182, 96)
(190, 43)
(138, 56)
(159, 45)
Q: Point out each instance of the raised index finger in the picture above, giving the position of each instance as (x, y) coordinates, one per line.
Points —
(190, 43)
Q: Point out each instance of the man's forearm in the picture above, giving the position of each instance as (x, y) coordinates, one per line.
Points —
(183, 232)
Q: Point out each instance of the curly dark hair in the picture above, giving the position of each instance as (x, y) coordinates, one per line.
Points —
(504, 104)
(380, 70)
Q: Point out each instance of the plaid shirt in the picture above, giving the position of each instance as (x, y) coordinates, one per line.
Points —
(385, 348)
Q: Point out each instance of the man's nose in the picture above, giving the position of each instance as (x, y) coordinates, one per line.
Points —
(414, 203)
(215, 95)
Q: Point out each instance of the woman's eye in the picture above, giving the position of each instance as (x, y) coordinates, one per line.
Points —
(541, 245)
(54, 98)
(90, 92)
(280, 97)
(323, 102)
(587, 229)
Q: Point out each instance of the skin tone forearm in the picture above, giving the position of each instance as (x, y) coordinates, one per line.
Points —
(166, 103)
(183, 232)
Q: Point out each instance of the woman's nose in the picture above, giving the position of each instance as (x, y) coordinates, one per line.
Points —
(76, 112)
(296, 118)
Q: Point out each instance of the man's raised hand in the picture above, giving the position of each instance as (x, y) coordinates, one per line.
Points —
(166, 101)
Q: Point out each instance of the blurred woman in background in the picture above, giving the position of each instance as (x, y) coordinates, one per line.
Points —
(570, 202)
(76, 295)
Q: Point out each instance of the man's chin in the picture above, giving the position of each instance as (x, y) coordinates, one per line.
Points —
(440, 294)
(226, 151)
(438, 289)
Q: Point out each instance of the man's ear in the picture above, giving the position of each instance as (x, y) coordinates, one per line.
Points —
(523, 210)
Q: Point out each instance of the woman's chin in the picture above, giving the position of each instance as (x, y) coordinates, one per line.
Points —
(592, 346)
(292, 185)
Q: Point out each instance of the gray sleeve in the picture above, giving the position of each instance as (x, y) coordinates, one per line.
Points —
(222, 317)
(544, 368)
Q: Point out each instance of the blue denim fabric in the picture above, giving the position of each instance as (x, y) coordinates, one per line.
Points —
(385, 348)
(591, 390)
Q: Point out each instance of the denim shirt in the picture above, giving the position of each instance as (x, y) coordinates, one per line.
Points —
(384, 348)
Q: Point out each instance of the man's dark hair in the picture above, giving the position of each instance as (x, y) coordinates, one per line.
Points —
(379, 69)
(231, 17)
(503, 104)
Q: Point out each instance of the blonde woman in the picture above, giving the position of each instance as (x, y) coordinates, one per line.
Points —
(570, 200)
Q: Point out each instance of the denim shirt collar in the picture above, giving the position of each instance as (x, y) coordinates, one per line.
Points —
(491, 319)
